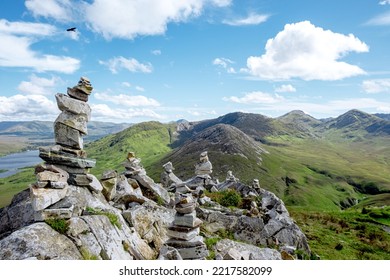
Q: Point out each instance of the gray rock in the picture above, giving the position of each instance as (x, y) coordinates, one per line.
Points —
(51, 156)
(197, 252)
(187, 220)
(16, 215)
(183, 233)
(177, 243)
(78, 122)
(82, 180)
(50, 176)
(43, 198)
(66, 136)
(233, 254)
(38, 241)
(77, 107)
(157, 190)
(109, 188)
(169, 253)
(61, 213)
(78, 94)
(109, 174)
(246, 251)
(94, 185)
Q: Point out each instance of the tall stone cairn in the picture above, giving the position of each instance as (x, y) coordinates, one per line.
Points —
(66, 162)
(184, 233)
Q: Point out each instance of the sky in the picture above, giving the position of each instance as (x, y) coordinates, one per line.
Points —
(167, 60)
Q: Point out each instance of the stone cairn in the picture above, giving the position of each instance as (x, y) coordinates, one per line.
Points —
(66, 162)
(184, 233)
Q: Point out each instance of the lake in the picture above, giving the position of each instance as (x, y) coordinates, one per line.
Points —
(13, 162)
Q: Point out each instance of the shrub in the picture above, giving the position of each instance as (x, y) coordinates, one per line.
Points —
(230, 198)
(59, 225)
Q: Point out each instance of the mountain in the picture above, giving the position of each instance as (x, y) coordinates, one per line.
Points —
(301, 122)
(229, 147)
(357, 124)
(383, 116)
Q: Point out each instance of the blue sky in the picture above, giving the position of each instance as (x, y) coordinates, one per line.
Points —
(195, 59)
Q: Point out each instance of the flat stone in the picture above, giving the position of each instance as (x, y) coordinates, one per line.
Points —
(42, 184)
(66, 103)
(62, 213)
(67, 136)
(74, 170)
(178, 233)
(186, 208)
(42, 198)
(187, 220)
(94, 185)
(232, 254)
(80, 180)
(197, 252)
(77, 94)
(109, 188)
(108, 174)
(61, 150)
(78, 122)
(52, 157)
(50, 176)
(177, 243)
(58, 185)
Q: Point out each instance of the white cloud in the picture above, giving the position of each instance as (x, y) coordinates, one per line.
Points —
(256, 97)
(126, 84)
(101, 112)
(130, 64)
(128, 19)
(286, 88)
(382, 19)
(384, 2)
(39, 86)
(139, 88)
(26, 28)
(251, 19)
(15, 49)
(221, 3)
(156, 52)
(29, 107)
(60, 10)
(376, 86)
(305, 51)
(225, 63)
(128, 100)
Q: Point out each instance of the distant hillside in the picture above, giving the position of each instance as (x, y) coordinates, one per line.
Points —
(383, 116)
(228, 148)
(31, 134)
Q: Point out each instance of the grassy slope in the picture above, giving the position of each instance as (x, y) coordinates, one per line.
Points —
(150, 141)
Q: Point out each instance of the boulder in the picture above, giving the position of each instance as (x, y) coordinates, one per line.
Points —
(43, 198)
(236, 250)
(38, 241)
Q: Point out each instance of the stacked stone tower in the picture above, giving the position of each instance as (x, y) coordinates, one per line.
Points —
(66, 162)
(184, 233)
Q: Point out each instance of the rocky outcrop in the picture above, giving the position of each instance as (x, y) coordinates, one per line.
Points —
(69, 213)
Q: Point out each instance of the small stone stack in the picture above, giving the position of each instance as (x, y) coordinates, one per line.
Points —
(135, 171)
(66, 162)
(204, 166)
(184, 233)
(168, 179)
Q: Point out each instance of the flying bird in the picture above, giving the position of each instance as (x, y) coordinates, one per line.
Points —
(71, 29)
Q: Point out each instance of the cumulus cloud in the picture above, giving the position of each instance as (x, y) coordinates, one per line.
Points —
(225, 63)
(285, 88)
(38, 85)
(130, 64)
(384, 2)
(139, 88)
(251, 19)
(256, 97)
(376, 86)
(128, 100)
(61, 10)
(305, 51)
(104, 113)
(221, 3)
(27, 107)
(15, 49)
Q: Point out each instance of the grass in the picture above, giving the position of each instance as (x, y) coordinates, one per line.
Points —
(344, 235)
(59, 225)
(113, 218)
(14, 184)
